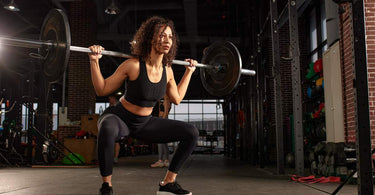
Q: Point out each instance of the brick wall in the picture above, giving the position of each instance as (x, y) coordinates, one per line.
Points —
(346, 39)
(370, 32)
(345, 26)
(269, 109)
(67, 131)
(81, 96)
(286, 85)
(286, 79)
(286, 92)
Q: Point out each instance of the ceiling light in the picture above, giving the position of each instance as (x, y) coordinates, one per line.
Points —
(12, 6)
(112, 9)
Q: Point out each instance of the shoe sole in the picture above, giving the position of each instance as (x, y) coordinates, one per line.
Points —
(169, 193)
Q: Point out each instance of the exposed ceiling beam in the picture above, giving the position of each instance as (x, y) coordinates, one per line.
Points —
(142, 7)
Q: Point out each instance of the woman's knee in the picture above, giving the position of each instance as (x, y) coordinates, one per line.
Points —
(112, 125)
(194, 133)
(106, 129)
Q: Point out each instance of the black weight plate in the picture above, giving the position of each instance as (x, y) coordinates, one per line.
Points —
(55, 29)
(221, 82)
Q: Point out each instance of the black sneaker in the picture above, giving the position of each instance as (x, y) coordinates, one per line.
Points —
(172, 188)
(106, 190)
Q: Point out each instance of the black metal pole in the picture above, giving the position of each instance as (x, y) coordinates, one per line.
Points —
(296, 86)
(363, 130)
(277, 88)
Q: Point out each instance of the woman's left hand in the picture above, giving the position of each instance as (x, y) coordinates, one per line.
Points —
(192, 65)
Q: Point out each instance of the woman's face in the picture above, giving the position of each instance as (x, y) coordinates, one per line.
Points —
(164, 40)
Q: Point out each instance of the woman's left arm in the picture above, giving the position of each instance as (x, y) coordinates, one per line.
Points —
(176, 93)
(167, 106)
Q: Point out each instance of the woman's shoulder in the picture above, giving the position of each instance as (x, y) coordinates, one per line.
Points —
(130, 63)
(168, 68)
(169, 72)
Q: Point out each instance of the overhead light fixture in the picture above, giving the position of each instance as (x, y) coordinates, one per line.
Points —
(12, 6)
(112, 9)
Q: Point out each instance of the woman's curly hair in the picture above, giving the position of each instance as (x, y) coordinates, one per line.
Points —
(146, 37)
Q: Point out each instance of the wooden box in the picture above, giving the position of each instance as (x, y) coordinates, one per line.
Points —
(89, 123)
(85, 147)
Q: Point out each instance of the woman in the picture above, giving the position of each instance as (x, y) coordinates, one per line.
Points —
(150, 76)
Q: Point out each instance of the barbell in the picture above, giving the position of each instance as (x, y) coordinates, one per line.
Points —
(220, 71)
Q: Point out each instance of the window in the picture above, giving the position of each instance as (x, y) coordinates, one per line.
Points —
(55, 116)
(313, 36)
(323, 24)
(181, 109)
(203, 114)
(100, 107)
(196, 108)
(2, 116)
(318, 31)
(25, 116)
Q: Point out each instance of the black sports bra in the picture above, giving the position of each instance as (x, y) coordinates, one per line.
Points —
(143, 92)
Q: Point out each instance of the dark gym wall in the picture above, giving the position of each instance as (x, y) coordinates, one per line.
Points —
(81, 96)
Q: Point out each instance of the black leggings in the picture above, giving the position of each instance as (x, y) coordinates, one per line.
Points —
(116, 122)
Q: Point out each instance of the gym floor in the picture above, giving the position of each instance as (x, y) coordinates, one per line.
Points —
(201, 174)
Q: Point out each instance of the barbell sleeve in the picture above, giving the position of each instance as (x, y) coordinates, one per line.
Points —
(24, 43)
(247, 72)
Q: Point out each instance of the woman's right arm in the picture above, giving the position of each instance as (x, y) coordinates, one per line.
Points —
(104, 87)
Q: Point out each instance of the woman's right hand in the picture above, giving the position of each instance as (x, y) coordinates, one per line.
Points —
(96, 51)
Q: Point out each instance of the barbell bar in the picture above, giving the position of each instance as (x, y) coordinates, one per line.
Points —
(222, 65)
(38, 44)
